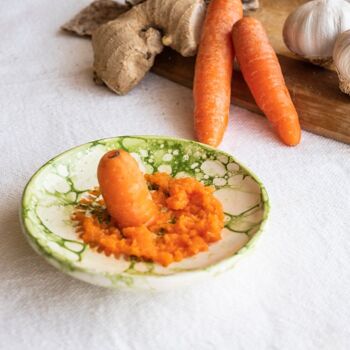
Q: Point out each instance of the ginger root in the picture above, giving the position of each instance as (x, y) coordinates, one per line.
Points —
(125, 48)
(94, 15)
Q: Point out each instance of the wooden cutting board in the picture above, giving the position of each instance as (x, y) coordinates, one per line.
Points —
(322, 107)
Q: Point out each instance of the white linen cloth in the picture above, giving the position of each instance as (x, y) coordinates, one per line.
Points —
(293, 292)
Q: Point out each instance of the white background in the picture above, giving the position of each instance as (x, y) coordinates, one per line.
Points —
(292, 293)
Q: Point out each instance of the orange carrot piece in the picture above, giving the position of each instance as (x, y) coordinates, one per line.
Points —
(125, 190)
(262, 72)
(213, 71)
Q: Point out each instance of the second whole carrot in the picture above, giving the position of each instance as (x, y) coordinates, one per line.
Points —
(213, 71)
(263, 75)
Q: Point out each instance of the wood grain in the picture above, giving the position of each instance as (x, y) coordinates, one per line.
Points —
(272, 15)
(322, 107)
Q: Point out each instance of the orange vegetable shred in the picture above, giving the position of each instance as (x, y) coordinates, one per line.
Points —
(189, 218)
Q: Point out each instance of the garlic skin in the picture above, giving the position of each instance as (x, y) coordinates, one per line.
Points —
(341, 58)
(310, 31)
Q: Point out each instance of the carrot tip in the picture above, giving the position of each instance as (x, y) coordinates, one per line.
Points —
(114, 154)
(289, 134)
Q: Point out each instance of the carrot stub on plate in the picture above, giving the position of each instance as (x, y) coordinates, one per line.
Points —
(124, 190)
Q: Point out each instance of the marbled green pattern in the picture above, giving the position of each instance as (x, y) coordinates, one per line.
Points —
(54, 190)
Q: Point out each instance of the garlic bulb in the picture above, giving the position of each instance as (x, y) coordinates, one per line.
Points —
(311, 30)
(341, 58)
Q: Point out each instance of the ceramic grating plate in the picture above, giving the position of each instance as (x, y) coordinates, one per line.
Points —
(53, 191)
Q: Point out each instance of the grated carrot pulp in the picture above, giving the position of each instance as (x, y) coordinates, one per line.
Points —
(188, 219)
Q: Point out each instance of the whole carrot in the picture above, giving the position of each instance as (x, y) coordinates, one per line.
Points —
(213, 71)
(262, 72)
(124, 189)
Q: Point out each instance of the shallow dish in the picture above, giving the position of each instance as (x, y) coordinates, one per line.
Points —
(50, 195)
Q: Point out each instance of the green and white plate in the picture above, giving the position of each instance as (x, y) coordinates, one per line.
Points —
(53, 191)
